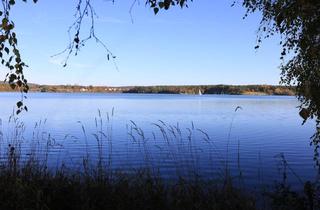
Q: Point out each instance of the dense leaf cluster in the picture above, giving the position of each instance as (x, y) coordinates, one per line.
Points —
(9, 53)
(298, 23)
(156, 5)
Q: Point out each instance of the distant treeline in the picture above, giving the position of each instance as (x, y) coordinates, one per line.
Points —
(216, 89)
(185, 89)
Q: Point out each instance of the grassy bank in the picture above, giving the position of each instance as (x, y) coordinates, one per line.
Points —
(34, 189)
(28, 181)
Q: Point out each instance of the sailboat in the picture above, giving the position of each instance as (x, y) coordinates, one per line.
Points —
(200, 93)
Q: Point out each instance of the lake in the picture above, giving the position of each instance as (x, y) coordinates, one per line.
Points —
(177, 134)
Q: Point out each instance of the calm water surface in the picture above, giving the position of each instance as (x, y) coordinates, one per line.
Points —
(250, 139)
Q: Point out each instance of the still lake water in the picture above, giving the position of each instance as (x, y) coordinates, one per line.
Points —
(250, 139)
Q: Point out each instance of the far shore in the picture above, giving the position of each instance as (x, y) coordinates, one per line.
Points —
(183, 89)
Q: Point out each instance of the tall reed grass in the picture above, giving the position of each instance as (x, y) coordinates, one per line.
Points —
(28, 179)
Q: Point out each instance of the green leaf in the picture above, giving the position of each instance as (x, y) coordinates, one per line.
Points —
(13, 86)
(182, 3)
(156, 10)
(19, 104)
(4, 22)
(166, 4)
(161, 5)
(12, 77)
(76, 40)
(7, 50)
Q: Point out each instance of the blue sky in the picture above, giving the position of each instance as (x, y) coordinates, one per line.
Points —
(209, 43)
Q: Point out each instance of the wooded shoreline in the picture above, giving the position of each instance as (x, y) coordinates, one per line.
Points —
(183, 89)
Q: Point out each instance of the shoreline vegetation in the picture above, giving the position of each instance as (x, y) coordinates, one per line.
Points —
(26, 181)
(183, 89)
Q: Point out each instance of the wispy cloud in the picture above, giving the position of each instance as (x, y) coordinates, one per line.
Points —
(110, 20)
(169, 21)
(60, 62)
